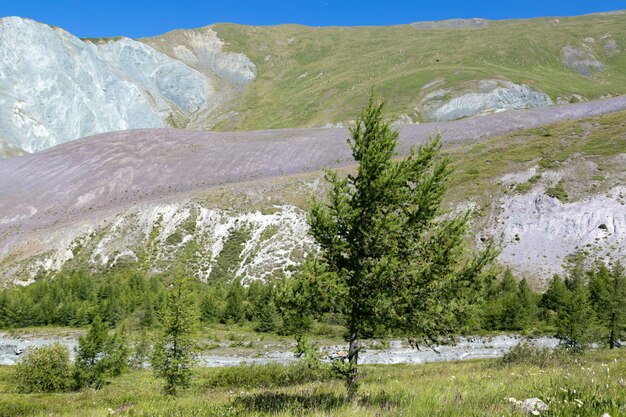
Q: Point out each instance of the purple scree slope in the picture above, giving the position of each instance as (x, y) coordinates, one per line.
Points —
(112, 170)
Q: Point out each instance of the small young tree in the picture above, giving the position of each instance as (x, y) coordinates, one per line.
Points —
(173, 353)
(141, 352)
(528, 304)
(399, 262)
(576, 322)
(209, 308)
(555, 299)
(99, 355)
(235, 309)
(608, 296)
(45, 369)
(265, 313)
(514, 306)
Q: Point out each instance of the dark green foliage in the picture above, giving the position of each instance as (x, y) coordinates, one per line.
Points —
(45, 369)
(554, 300)
(209, 306)
(99, 355)
(528, 304)
(127, 296)
(382, 236)
(235, 308)
(576, 323)
(174, 349)
(310, 292)
(228, 258)
(527, 354)
(74, 298)
(508, 284)
(558, 192)
(608, 295)
(142, 349)
(510, 305)
(263, 308)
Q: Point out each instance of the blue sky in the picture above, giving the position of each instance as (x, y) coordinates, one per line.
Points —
(137, 18)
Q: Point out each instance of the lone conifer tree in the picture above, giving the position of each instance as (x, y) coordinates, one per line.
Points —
(397, 261)
(99, 355)
(174, 349)
(576, 323)
(608, 295)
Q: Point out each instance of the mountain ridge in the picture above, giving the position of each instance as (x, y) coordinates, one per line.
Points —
(267, 77)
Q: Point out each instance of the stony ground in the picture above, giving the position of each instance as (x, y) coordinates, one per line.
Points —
(59, 199)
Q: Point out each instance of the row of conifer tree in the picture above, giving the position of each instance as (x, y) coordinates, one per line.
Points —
(582, 307)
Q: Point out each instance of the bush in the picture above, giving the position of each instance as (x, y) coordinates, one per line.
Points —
(267, 376)
(98, 356)
(45, 369)
(558, 192)
(17, 406)
(527, 354)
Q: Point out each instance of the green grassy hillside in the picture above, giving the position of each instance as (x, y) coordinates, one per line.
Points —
(312, 76)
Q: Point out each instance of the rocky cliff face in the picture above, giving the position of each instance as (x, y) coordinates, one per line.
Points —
(541, 232)
(212, 243)
(55, 87)
(487, 96)
(263, 241)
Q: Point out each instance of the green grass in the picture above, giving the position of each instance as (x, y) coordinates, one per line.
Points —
(480, 387)
(522, 150)
(310, 76)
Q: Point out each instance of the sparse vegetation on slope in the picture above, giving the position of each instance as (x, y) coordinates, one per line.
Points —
(586, 156)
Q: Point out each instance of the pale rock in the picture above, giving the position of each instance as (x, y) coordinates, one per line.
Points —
(206, 48)
(532, 406)
(581, 60)
(492, 96)
(540, 231)
(55, 87)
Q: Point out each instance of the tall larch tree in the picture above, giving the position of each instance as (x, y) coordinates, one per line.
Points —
(397, 256)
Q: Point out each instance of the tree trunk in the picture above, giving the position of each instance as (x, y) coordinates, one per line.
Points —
(353, 361)
(612, 341)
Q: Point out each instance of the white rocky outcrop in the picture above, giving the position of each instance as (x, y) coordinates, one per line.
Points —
(532, 406)
(55, 87)
(166, 80)
(581, 59)
(539, 231)
(274, 241)
(205, 48)
(491, 96)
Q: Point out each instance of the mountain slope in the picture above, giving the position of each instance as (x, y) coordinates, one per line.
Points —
(152, 196)
(55, 87)
(313, 76)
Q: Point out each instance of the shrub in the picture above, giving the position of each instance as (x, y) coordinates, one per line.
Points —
(45, 369)
(99, 355)
(527, 354)
(558, 192)
(267, 376)
(17, 406)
